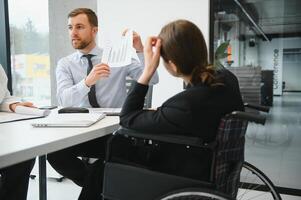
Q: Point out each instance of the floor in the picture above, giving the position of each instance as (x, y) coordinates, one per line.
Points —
(65, 190)
(274, 148)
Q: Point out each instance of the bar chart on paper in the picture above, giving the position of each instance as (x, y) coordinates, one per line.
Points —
(119, 53)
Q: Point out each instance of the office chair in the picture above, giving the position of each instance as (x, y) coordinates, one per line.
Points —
(147, 104)
(148, 96)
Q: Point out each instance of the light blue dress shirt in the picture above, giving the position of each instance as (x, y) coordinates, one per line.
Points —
(71, 72)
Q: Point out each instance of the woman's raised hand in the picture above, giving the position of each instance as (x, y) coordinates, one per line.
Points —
(152, 57)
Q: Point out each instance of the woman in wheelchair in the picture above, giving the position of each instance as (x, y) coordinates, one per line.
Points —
(192, 142)
(196, 111)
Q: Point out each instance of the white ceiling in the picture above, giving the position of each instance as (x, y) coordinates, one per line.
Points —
(278, 16)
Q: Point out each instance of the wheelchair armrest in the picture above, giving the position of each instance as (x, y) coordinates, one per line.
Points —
(257, 118)
(168, 138)
(257, 107)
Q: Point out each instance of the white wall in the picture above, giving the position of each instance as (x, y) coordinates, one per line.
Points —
(291, 65)
(233, 37)
(252, 52)
(147, 18)
(291, 43)
(270, 57)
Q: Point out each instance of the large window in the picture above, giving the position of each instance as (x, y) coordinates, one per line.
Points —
(29, 39)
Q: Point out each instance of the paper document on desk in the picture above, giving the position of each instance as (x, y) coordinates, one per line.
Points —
(31, 111)
(120, 52)
(6, 117)
(22, 113)
(69, 120)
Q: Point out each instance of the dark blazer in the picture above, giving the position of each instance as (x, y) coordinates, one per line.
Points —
(196, 112)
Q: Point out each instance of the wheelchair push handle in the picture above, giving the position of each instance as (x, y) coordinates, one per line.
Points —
(251, 117)
(257, 107)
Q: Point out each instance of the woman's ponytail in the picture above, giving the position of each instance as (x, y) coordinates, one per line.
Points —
(205, 75)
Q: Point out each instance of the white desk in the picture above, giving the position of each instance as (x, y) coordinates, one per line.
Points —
(19, 141)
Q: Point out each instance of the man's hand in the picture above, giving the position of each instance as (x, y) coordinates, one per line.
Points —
(137, 43)
(13, 106)
(99, 71)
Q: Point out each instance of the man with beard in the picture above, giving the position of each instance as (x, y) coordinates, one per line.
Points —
(80, 86)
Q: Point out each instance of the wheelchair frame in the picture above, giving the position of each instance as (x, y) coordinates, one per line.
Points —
(182, 182)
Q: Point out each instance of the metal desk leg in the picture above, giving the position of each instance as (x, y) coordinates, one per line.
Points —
(42, 178)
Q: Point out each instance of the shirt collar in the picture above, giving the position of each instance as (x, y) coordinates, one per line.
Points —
(95, 51)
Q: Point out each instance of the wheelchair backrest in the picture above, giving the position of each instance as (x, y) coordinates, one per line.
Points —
(229, 154)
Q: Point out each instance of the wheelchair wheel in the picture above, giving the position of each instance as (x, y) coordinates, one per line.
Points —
(254, 184)
(195, 194)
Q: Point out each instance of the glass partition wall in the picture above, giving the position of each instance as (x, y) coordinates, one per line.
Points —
(264, 52)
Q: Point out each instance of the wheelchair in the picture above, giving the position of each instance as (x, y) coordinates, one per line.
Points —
(230, 177)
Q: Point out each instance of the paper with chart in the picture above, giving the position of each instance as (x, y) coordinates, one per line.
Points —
(119, 53)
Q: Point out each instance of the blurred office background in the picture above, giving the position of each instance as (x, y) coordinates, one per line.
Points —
(264, 52)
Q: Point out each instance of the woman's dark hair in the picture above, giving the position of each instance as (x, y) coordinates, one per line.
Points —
(92, 17)
(183, 44)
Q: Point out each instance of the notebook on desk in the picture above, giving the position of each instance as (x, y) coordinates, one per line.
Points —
(69, 120)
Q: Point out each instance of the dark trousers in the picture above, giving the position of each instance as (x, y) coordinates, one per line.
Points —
(88, 176)
(14, 181)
